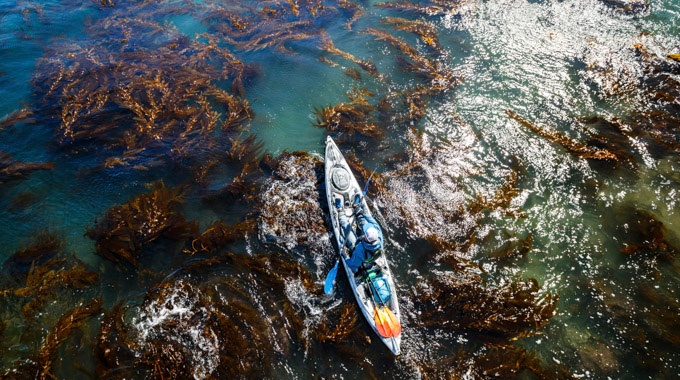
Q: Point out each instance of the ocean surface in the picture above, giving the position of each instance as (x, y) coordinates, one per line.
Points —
(162, 201)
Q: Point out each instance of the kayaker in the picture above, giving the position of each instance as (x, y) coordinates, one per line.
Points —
(366, 247)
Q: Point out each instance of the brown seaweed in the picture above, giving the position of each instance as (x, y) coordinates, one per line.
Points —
(506, 362)
(11, 169)
(514, 309)
(43, 246)
(513, 248)
(439, 77)
(425, 31)
(42, 282)
(366, 65)
(353, 117)
(233, 335)
(628, 6)
(271, 27)
(67, 323)
(337, 330)
(39, 366)
(434, 8)
(653, 310)
(377, 184)
(501, 199)
(354, 74)
(158, 102)
(124, 230)
(291, 213)
(40, 271)
(573, 146)
(646, 237)
(655, 120)
(218, 235)
(15, 117)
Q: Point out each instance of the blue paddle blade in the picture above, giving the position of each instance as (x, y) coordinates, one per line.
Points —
(330, 279)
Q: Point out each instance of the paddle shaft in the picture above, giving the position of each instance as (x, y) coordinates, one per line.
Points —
(367, 182)
(334, 270)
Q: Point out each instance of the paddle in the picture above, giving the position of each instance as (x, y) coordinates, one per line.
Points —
(330, 277)
(367, 182)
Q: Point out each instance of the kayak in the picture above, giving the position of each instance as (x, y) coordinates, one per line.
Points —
(340, 183)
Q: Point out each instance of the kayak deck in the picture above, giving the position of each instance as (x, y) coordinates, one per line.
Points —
(341, 183)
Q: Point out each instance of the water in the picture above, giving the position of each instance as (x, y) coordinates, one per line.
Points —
(466, 193)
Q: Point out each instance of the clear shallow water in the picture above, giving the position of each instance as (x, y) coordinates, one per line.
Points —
(555, 64)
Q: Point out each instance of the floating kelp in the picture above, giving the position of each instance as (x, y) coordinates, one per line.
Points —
(430, 174)
(112, 349)
(42, 282)
(157, 102)
(354, 74)
(366, 65)
(291, 211)
(353, 117)
(434, 8)
(11, 169)
(337, 330)
(340, 329)
(219, 234)
(224, 327)
(404, 108)
(41, 271)
(40, 365)
(425, 31)
(66, 324)
(628, 6)
(513, 248)
(124, 230)
(512, 310)
(652, 309)
(377, 184)
(439, 77)
(573, 146)
(271, 25)
(184, 331)
(506, 362)
(244, 156)
(22, 115)
(646, 237)
(657, 116)
(501, 199)
(353, 10)
(42, 247)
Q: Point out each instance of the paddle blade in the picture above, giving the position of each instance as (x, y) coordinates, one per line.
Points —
(382, 325)
(395, 326)
(330, 279)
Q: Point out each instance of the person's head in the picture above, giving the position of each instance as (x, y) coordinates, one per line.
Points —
(371, 235)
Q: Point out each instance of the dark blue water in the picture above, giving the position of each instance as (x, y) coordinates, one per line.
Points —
(514, 142)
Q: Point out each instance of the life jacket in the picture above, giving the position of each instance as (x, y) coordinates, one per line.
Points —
(374, 253)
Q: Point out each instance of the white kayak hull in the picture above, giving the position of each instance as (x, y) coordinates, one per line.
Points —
(340, 183)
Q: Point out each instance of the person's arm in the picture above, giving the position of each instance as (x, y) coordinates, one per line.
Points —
(357, 258)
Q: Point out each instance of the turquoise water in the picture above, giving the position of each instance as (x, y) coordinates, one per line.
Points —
(603, 234)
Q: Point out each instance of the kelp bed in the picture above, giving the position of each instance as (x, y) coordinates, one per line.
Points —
(163, 293)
